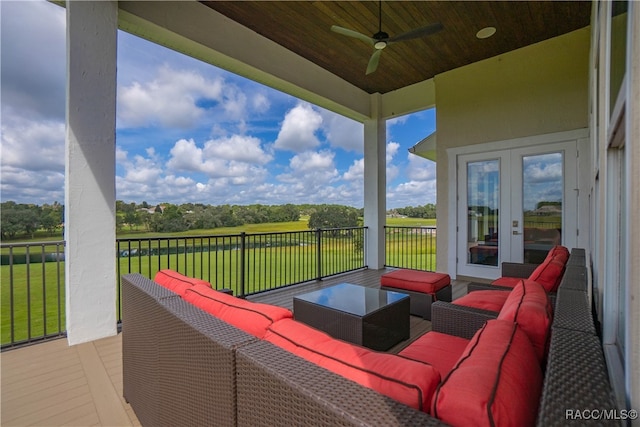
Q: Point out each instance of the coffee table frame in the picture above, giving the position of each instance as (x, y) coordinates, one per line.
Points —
(379, 330)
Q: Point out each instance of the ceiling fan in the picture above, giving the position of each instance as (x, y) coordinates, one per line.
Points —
(380, 40)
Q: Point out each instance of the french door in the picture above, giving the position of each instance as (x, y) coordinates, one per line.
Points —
(513, 205)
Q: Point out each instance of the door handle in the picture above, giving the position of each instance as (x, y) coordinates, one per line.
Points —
(515, 233)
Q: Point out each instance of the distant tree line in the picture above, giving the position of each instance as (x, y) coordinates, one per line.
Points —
(169, 218)
(426, 211)
(23, 220)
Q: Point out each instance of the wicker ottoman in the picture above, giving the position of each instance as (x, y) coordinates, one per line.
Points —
(423, 287)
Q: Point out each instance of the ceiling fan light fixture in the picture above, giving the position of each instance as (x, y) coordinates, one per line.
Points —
(380, 44)
(486, 32)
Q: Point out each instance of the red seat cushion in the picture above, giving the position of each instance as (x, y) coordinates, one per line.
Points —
(548, 274)
(177, 282)
(417, 281)
(528, 305)
(496, 382)
(253, 318)
(440, 350)
(507, 282)
(484, 300)
(406, 381)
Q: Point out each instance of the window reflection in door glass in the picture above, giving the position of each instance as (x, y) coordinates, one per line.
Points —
(483, 201)
(542, 197)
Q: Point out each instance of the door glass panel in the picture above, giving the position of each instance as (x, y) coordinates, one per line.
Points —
(542, 196)
(483, 201)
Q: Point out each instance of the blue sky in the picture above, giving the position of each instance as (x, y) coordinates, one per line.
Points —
(188, 131)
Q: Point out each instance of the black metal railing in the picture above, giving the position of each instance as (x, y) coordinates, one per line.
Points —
(248, 263)
(32, 274)
(410, 247)
(33, 288)
(32, 277)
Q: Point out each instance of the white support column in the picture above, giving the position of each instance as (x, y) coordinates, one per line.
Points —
(375, 181)
(90, 267)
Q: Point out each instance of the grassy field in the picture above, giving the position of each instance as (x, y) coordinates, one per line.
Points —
(38, 288)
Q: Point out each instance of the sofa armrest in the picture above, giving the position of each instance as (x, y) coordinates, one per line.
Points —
(513, 269)
(576, 379)
(458, 320)
(140, 368)
(275, 387)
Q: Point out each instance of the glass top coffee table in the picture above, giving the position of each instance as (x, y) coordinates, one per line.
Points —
(365, 316)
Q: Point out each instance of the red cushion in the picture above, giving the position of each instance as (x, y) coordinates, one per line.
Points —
(253, 318)
(548, 274)
(177, 282)
(559, 250)
(406, 381)
(414, 280)
(507, 282)
(496, 382)
(484, 300)
(529, 306)
(440, 350)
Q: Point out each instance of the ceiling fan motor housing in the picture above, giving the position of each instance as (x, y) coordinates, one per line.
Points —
(381, 38)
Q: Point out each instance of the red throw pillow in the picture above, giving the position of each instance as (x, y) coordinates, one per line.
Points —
(496, 382)
(406, 381)
(560, 250)
(253, 318)
(548, 274)
(528, 305)
(177, 282)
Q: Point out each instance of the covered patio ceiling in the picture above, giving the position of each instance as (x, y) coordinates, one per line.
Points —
(289, 45)
(303, 27)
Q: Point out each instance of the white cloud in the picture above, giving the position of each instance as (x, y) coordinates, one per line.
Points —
(32, 43)
(311, 160)
(185, 156)
(235, 158)
(412, 193)
(309, 171)
(355, 172)
(172, 99)
(543, 172)
(260, 102)
(298, 130)
(143, 170)
(392, 150)
(342, 132)
(420, 169)
(237, 147)
(23, 138)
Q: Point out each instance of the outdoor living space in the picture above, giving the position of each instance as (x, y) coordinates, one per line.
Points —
(52, 383)
(536, 147)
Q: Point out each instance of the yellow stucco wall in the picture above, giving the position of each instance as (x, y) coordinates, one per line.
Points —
(536, 90)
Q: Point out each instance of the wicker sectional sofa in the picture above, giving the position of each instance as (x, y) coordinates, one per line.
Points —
(183, 366)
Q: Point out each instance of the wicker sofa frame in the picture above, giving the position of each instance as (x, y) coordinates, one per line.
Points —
(182, 366)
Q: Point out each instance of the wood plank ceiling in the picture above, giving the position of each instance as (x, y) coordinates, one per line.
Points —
(304, 28)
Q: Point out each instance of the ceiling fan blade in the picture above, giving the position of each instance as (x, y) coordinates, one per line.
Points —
(373, 62)
(418, 32)
(350, 33)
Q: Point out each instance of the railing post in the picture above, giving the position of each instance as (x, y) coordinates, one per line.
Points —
(318, 254)
(243, 237)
